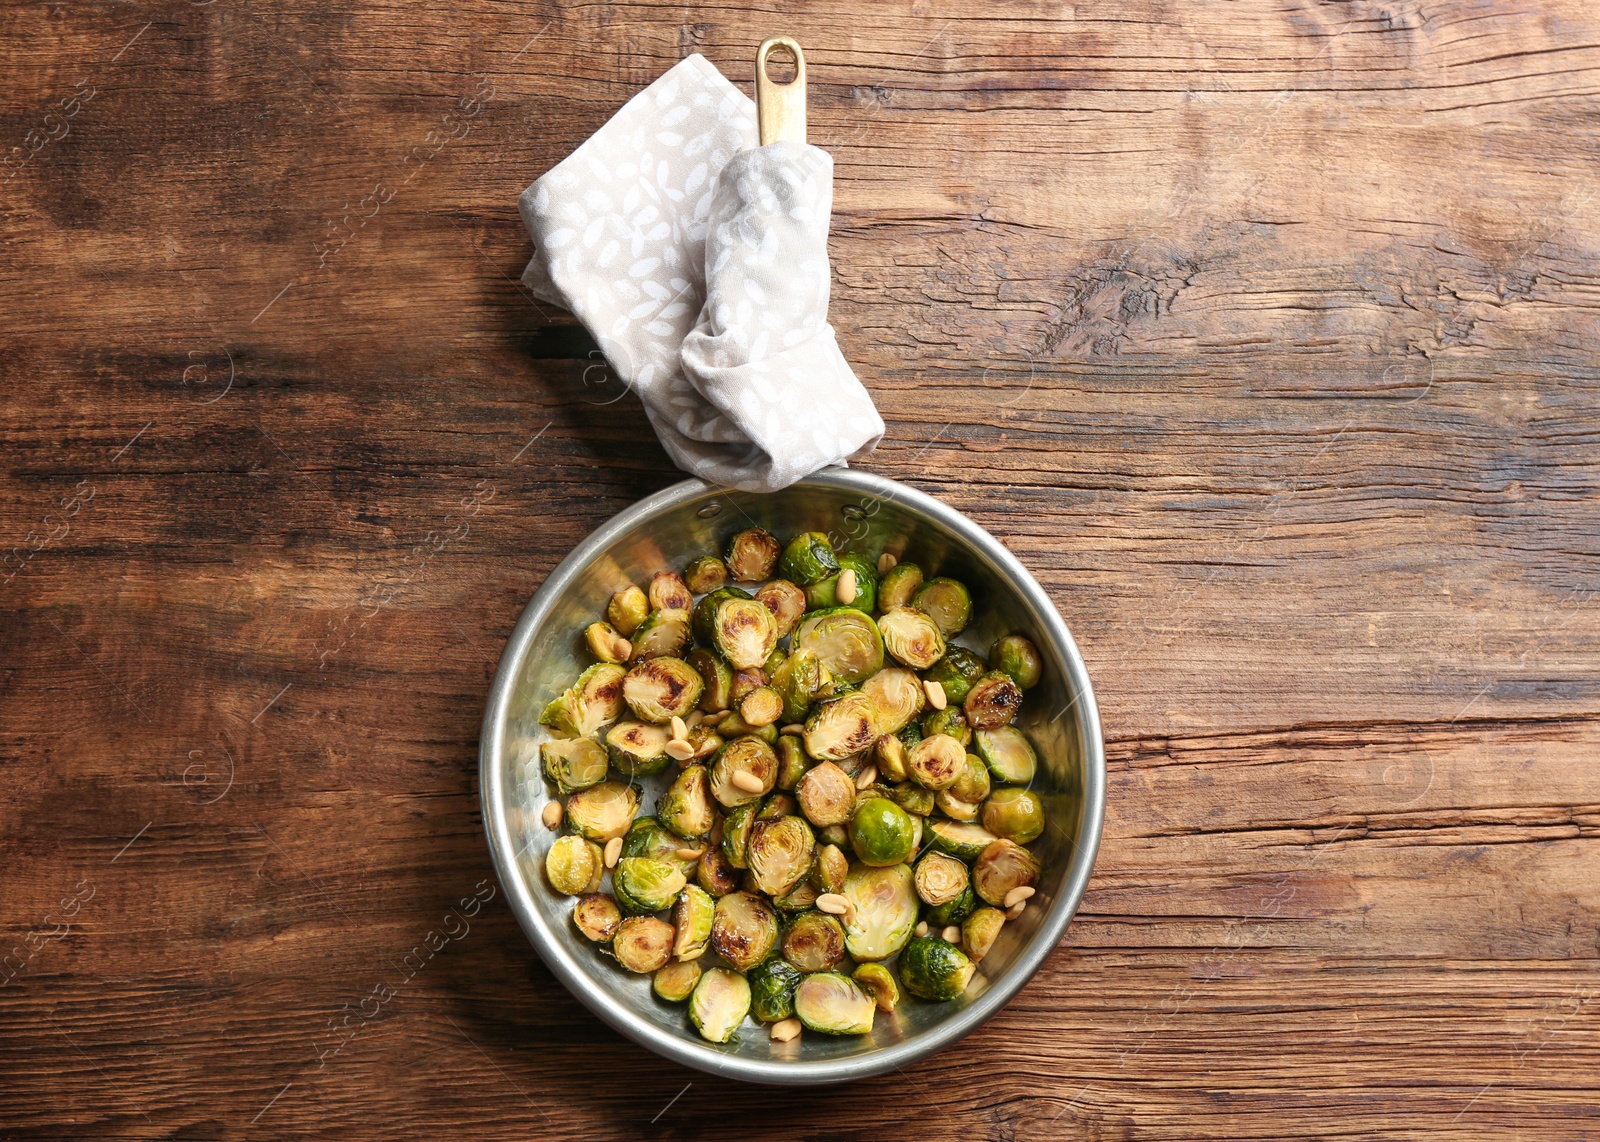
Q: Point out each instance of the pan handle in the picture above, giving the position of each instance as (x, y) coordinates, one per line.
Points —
(781, 107)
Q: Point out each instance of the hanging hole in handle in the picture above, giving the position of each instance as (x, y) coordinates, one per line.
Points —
(781, 66)
(711, 509)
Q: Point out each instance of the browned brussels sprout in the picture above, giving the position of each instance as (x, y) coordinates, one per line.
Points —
(597, 917)
(663, 633)
(686, 806)
(936, 762)
(947, 602)
(719, 1004)
(950, 721)
(979, 930)
(814, 941)
(705, 575)
(898, 585)
(642, 944)
(897, 696)
(993, 701)
(593, 701)
(826, 795)
(676, 981)
(956, 672)
(745, 771)
(1015, 814)
(744, 929)
(830, 870)
(660, 689)
(715, 873)
(573, 865)
(627, 609)
(840, 727)
(1016, 655)
(745, 633)
(604, 811)
(670, 595)
(752, 554)
(792, 761)
(638, 749)
(787, 603)
(779, 852)
(716, 678)
(1002, 866)
(940, 878)
(911, 637)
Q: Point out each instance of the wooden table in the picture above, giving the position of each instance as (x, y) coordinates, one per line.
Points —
(1265, 333)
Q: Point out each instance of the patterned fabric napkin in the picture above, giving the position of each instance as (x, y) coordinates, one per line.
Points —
(699, 263)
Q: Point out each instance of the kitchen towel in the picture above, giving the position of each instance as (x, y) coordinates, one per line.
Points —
(698, 262)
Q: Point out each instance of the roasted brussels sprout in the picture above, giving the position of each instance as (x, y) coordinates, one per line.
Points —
(647, 838)
(744, 929)
(642, 944)
(627, 609)
(670, 595)
(703, 620)
(798, 899)
(940, 879)
(808, 559)
(949, 721)
(800, 680)
(993, 701)
(715, 873)
(835, 834)
(638, 749)
(716, 680)
(897, 697)
(691, 921)
(953, 911)
(898, 585)
(736, 828)
(779, 852)
(733, 726)
(744, 681)
(744, 632)
(962, 841)
(826, 794)
(1007, 753)
(911, 637)
(686, 806)
(933, 969)
(719, 1004)
(660, 689)
(787, 603)
(885, 910)
(846, 641)
(1014, 814)
(663, 633)
(1002, 866)
(762, 706)
(606, 644)
(602, 811)
(936, 762)
(832, 867)
(752, 554)
(677, 981)
(772, 984)
(979, 930)
(913, 798)
(814, 941)
(834, 1004)
(955, 808)
(792, 761)
(956, 672)
(597, 917)
(864, 586)
(705, 575)
(889, 755)
(882, 833)
(574, 763)
(574, 865)
(973, 783)
(840, 727)
(947, 602)
(1016, 655)
(879, 982)
(746, 770)
(643, 885)
(594, 700)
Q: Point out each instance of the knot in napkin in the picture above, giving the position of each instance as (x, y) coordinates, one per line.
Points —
(699, 263)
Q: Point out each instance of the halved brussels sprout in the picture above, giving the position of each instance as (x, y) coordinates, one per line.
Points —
(1015, 654)
(670, 595)
(979, 930)
(749, 756)
(603, 811)
(882, 833)
(879, 981)
(941, 879)
(993, 701)
(605, 643)
(913, 798)
(594, 700)
(834, 1004)
(826, 794)
(808, 559)
(973, 784)
(627, 609)
(643, 885)
(574, 763)
(719, 1004)
(947, 602)
(825, 592)
(787, 603)
(845, 640)
(574, 865)
(933, 969)
(792, 761)
(772, 984)
(835, 834)
(745, 632)
(647, 838)
(780, 852)
(736, 828)
(642, 944)
(663, 633)
(800, 679)
(715, 873)
(1014, 814)
(956, 672)
(840, 727)
(638, 749)
(705, 575)
(963, 841)
(686, 806)
(752, 554)
(950, 722)
(774, 660)
(744, 929)
(898, 585)
(704, 742)
(955, 808)
(703, 623)
(691, 921)
(830, 870)
(597, 917)
(889, 754)
(1007, 753)
(953, 911)
(733, 726)
(814, 941)
(936, 762)
(716, 680)
(911, 637)
(885, 903)
(798, 899)
(660, 689)
(744, 681)
(1002, 866)
(762, 706)
(677, 981)
(897, 697)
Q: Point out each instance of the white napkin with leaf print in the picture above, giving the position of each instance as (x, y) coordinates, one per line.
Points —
(699, 263)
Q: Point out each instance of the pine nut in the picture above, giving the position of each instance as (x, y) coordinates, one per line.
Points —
(694, 719)
(951, 935)
(622, 649)
(785, 1029)
(613, 851)
(867, 776)
(922, 927)
(844, 591)
(1016, 909)
(935, 691)
(680, 732)
(679, 750)
(886, 563)
(1017, 895)
(552, 814)
(833, 903)
(793, 728)
(715, 719)
(749, 782)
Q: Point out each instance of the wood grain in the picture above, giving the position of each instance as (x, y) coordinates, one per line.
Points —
(1265, 334)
